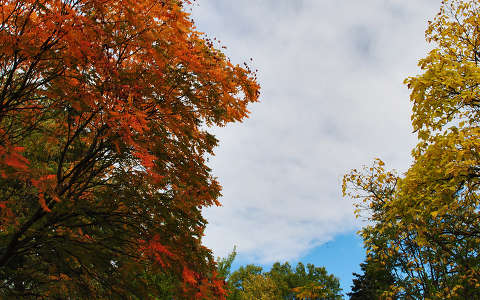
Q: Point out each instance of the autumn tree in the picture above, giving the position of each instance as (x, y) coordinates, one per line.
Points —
(258, 286)
(427, 219)
(105, 107)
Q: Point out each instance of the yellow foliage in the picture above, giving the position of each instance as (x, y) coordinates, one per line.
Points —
(427, 222)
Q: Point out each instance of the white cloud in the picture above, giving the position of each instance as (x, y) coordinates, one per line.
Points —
(332, 99)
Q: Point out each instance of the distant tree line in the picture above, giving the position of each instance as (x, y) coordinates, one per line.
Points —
(281, 282)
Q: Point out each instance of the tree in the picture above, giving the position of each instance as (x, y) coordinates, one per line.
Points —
(315, 283)
(285, 278)
(239, 279)
(305, 283)
(376, 279)
(104, 115)
(282, 282)
(428, 219)
(258, 286)
(224, 266)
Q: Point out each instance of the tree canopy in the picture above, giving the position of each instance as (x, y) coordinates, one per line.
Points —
(281, 282)
(374, 280)
(425, 223)
(105, 107)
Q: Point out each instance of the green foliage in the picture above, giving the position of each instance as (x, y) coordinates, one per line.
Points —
(304, 279)
(375, 279)
(224, 265)
(238, 278)
(281, 282)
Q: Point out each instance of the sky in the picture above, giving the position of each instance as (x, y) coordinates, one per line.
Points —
(332, 99)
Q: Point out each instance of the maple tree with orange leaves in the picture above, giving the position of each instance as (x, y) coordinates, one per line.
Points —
(105, 107)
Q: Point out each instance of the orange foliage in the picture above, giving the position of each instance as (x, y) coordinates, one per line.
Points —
(100, 93)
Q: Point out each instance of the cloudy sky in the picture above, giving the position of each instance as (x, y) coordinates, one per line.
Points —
(332, 100)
